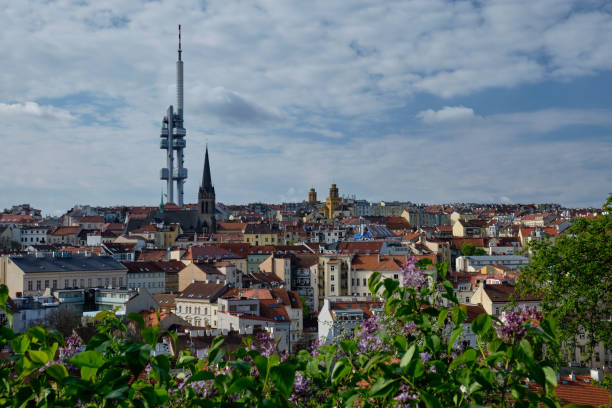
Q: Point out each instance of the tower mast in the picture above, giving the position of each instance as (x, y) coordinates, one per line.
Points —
(173, 137)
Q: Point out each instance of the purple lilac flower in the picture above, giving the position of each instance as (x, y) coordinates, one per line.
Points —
(301, 388)
(314, 349)
(512, 325)
(405, 395)
(264, 343)
(369, 339)
(412, 277)
(72, 347)
(425, 356)
(410, 329)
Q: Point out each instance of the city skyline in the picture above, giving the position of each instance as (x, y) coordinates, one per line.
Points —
(436, 102)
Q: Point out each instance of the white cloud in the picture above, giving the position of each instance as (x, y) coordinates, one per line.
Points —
(446, 114)
(34, 109)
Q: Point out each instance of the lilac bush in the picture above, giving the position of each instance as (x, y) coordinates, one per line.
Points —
(513, 325)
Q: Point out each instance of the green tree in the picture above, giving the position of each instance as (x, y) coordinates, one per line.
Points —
(467, 249)
(573, 277)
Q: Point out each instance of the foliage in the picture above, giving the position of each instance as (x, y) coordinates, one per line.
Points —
(573, 276)
(410, 354)
(468, 249)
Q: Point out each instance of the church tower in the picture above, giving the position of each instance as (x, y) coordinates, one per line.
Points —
(206, 200)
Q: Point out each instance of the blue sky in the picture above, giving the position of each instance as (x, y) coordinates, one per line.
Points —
(423, 100)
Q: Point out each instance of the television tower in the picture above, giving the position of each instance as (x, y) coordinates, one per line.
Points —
(173, 138)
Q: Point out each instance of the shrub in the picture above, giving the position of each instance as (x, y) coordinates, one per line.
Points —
(410, 355)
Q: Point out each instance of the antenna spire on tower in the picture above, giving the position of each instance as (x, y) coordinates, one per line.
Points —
(179, 45)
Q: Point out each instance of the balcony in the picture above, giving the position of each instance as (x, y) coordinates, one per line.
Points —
(178, 143)
(163, 144)
(163, 174)
(179, 132)
(163, 132)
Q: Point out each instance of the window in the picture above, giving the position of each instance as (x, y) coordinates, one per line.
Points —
(66, 283)
(467, 299)
(396, 276)
(89, 283)
(107, 280)
(331, 278)
(82, 283)
(496, 311)
(54, 283)
(46, 283)
(99, 281)
(37, 285)
(365, 282)
(333, 288)
(30, 285)
(180, 309)
(74, 283)
(114, 282)
(332, 268)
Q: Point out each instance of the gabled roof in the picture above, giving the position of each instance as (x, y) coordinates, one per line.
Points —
(200, 290)
(503, 292)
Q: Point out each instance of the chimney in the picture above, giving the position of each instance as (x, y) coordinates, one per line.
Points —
(597, 374)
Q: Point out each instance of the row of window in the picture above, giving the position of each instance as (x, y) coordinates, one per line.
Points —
(32, 239)
(146, 285)
(194, 310)
(76, 283)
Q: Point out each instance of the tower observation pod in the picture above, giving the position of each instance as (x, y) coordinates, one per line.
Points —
(172, 136)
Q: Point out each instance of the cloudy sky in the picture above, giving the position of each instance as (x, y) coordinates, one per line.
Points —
(420, 100)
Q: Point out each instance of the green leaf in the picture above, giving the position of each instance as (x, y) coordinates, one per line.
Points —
(415, 369)
(382, 387)
(466, 357)
(201, 376)
(430, 400)
(341, 370)
(407, 356)
(442, 317)
(20, 344)
(217, 341)
(349, 346)
(458, 314)
(149, 335)
(526, 349)
(391, 285)
(119, 393)
(550, 375)
(215, 356)
(37, 333)
(433, 342)
(88, 372)
(138, 319)
(57, 371)
(88, 358)
(4, 295)
(283, 376)
(372, 282)
(400, 343)
(453, 337)
(482, 324)
(38, 356)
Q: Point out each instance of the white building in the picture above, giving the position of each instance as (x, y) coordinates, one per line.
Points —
(474, 263)
(340, 316)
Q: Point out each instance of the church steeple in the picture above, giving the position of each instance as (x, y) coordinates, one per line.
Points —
(206, 200)
(206, 179)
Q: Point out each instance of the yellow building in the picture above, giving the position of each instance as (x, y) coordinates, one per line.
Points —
(333, 202)
(262, 234)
